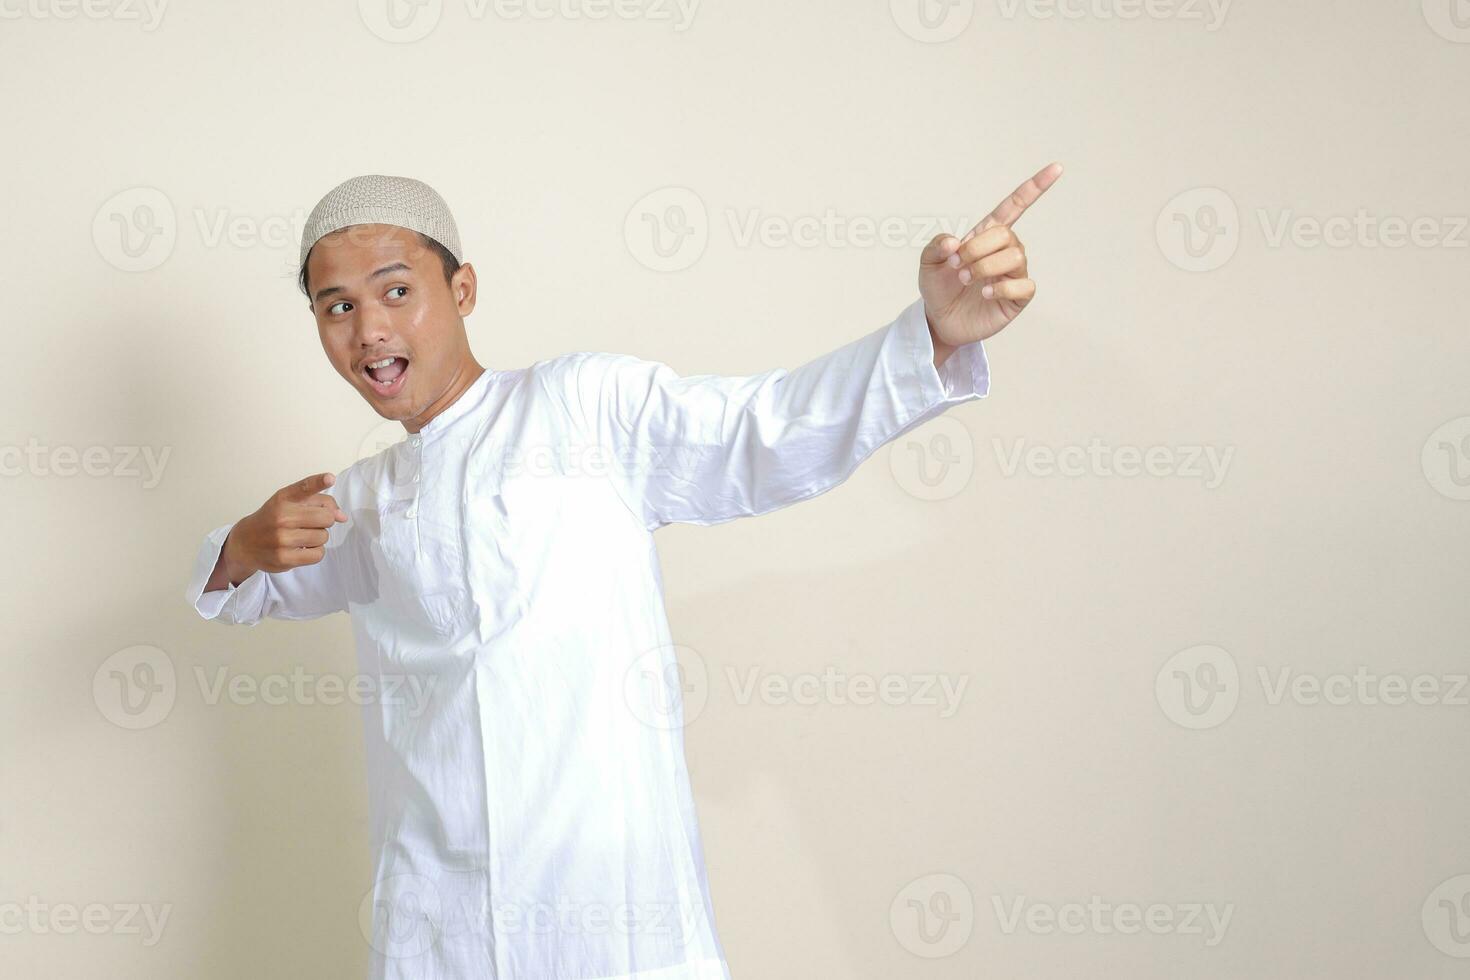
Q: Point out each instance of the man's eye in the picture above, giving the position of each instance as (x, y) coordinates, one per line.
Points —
(398, 289)
(333, 309)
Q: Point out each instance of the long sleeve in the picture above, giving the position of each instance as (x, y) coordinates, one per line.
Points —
(305, 592)
(705, 449)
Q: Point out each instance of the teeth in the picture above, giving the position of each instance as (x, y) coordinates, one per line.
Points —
(383, 363)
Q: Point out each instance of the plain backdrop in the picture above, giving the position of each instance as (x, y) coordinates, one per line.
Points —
(1233, 687)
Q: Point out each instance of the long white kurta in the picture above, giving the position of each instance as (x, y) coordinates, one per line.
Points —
(532, 817)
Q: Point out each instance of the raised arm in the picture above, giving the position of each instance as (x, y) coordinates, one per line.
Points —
(704, 449)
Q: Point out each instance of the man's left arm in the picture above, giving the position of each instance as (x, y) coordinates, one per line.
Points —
(704, 449)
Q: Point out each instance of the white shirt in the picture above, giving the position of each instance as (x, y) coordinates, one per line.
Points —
(532, 817)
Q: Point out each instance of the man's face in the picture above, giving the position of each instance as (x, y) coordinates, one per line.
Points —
(378, 294)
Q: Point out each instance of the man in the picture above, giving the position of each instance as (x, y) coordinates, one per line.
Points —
(531, 813)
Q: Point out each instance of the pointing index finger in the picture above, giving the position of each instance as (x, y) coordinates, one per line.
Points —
(310, 486)
(1009, 211)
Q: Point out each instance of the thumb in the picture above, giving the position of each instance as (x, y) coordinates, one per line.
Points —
(939, 249)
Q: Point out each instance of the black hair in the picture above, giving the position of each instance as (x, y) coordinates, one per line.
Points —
(446, 259)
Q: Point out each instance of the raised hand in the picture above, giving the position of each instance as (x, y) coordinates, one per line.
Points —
(973, 286)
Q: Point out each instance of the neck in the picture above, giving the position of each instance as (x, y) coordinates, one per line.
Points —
(469, 371)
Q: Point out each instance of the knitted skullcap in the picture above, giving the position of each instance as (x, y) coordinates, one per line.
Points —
(377, 199)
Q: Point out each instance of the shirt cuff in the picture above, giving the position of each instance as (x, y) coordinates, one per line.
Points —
(210, 604)
(964, 375)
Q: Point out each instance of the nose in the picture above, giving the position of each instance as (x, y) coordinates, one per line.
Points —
(373, 326)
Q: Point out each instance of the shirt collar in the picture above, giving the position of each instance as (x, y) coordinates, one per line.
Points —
(462, 405)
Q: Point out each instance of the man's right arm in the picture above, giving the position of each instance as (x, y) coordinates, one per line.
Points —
(276, 562)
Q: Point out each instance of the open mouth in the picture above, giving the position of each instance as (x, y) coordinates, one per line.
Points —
(386, 375)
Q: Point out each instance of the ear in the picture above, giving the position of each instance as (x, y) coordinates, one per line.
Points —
(463, 286)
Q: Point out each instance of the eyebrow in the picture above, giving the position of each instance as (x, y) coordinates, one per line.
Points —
(395, 267)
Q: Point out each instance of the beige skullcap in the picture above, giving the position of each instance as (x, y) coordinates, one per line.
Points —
(378, 199)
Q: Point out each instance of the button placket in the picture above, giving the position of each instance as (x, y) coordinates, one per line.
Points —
(416, 442)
